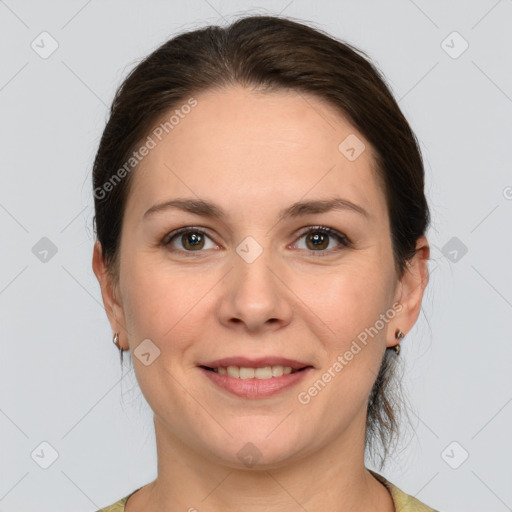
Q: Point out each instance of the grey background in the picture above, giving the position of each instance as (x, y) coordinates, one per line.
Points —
(60, 377)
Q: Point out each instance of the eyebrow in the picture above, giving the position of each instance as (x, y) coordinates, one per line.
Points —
(300, 208)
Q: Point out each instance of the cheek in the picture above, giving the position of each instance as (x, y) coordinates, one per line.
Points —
(148, 298)
(349, 300)
(161, 302)
(351, 305)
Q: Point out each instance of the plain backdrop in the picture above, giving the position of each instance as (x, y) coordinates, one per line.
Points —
(66, 404)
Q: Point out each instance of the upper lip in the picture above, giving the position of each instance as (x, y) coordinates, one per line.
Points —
(259, 362)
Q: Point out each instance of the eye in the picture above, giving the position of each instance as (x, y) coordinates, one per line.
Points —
(318, 238)
(191, 240)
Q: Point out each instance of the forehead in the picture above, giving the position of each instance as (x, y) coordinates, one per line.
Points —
(273, 146)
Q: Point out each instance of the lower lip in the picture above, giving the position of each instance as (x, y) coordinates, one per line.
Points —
(256, 388)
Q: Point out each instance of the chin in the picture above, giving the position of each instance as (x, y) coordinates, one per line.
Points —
(259, 452)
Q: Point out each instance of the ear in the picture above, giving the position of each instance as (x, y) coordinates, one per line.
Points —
(113, 306)
(410, 291)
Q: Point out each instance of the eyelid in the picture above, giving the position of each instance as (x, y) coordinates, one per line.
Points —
(324, 229)
(193, 229)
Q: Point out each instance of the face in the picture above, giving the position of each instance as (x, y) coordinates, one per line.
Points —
(263, 279)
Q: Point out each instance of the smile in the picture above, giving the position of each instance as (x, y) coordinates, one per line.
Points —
(264, 372)
(254, 383)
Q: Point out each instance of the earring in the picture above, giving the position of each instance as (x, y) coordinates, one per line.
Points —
(398, 335)
(115, 340)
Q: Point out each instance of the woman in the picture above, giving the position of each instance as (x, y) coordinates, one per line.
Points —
(261, 252)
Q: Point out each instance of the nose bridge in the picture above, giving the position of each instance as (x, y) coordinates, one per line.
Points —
(254, 293)
(253, 262)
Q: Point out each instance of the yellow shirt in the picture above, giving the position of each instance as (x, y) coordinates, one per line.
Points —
(402, 501)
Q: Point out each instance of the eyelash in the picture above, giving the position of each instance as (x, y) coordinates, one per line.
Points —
(342, 239)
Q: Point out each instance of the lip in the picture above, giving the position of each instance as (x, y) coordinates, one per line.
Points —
(259, 362)
(255, 388)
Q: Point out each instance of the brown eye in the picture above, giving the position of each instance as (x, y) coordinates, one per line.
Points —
(318, 239)
(191, 240)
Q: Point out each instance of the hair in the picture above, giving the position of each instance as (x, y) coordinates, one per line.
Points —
(269, 53)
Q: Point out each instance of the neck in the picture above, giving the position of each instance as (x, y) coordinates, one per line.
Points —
(331, 478)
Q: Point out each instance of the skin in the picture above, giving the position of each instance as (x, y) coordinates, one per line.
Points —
(254, 154)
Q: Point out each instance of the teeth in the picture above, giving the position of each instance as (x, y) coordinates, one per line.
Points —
(263, 373)
(245, 373)
(233, 371)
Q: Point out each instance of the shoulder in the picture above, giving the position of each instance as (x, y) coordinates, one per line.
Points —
(118, 506)
(403, 502)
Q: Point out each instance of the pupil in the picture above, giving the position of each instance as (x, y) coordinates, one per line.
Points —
(318, 239)
(193, 239)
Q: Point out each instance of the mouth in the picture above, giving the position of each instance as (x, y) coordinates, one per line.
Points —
(261, 372)
(255, 379)
(263, 367)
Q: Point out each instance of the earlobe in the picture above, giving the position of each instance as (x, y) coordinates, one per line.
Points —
(412, 287)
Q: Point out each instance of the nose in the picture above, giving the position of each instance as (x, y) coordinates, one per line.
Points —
(255, 296)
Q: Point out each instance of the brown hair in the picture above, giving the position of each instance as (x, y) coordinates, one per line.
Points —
(271, 53)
